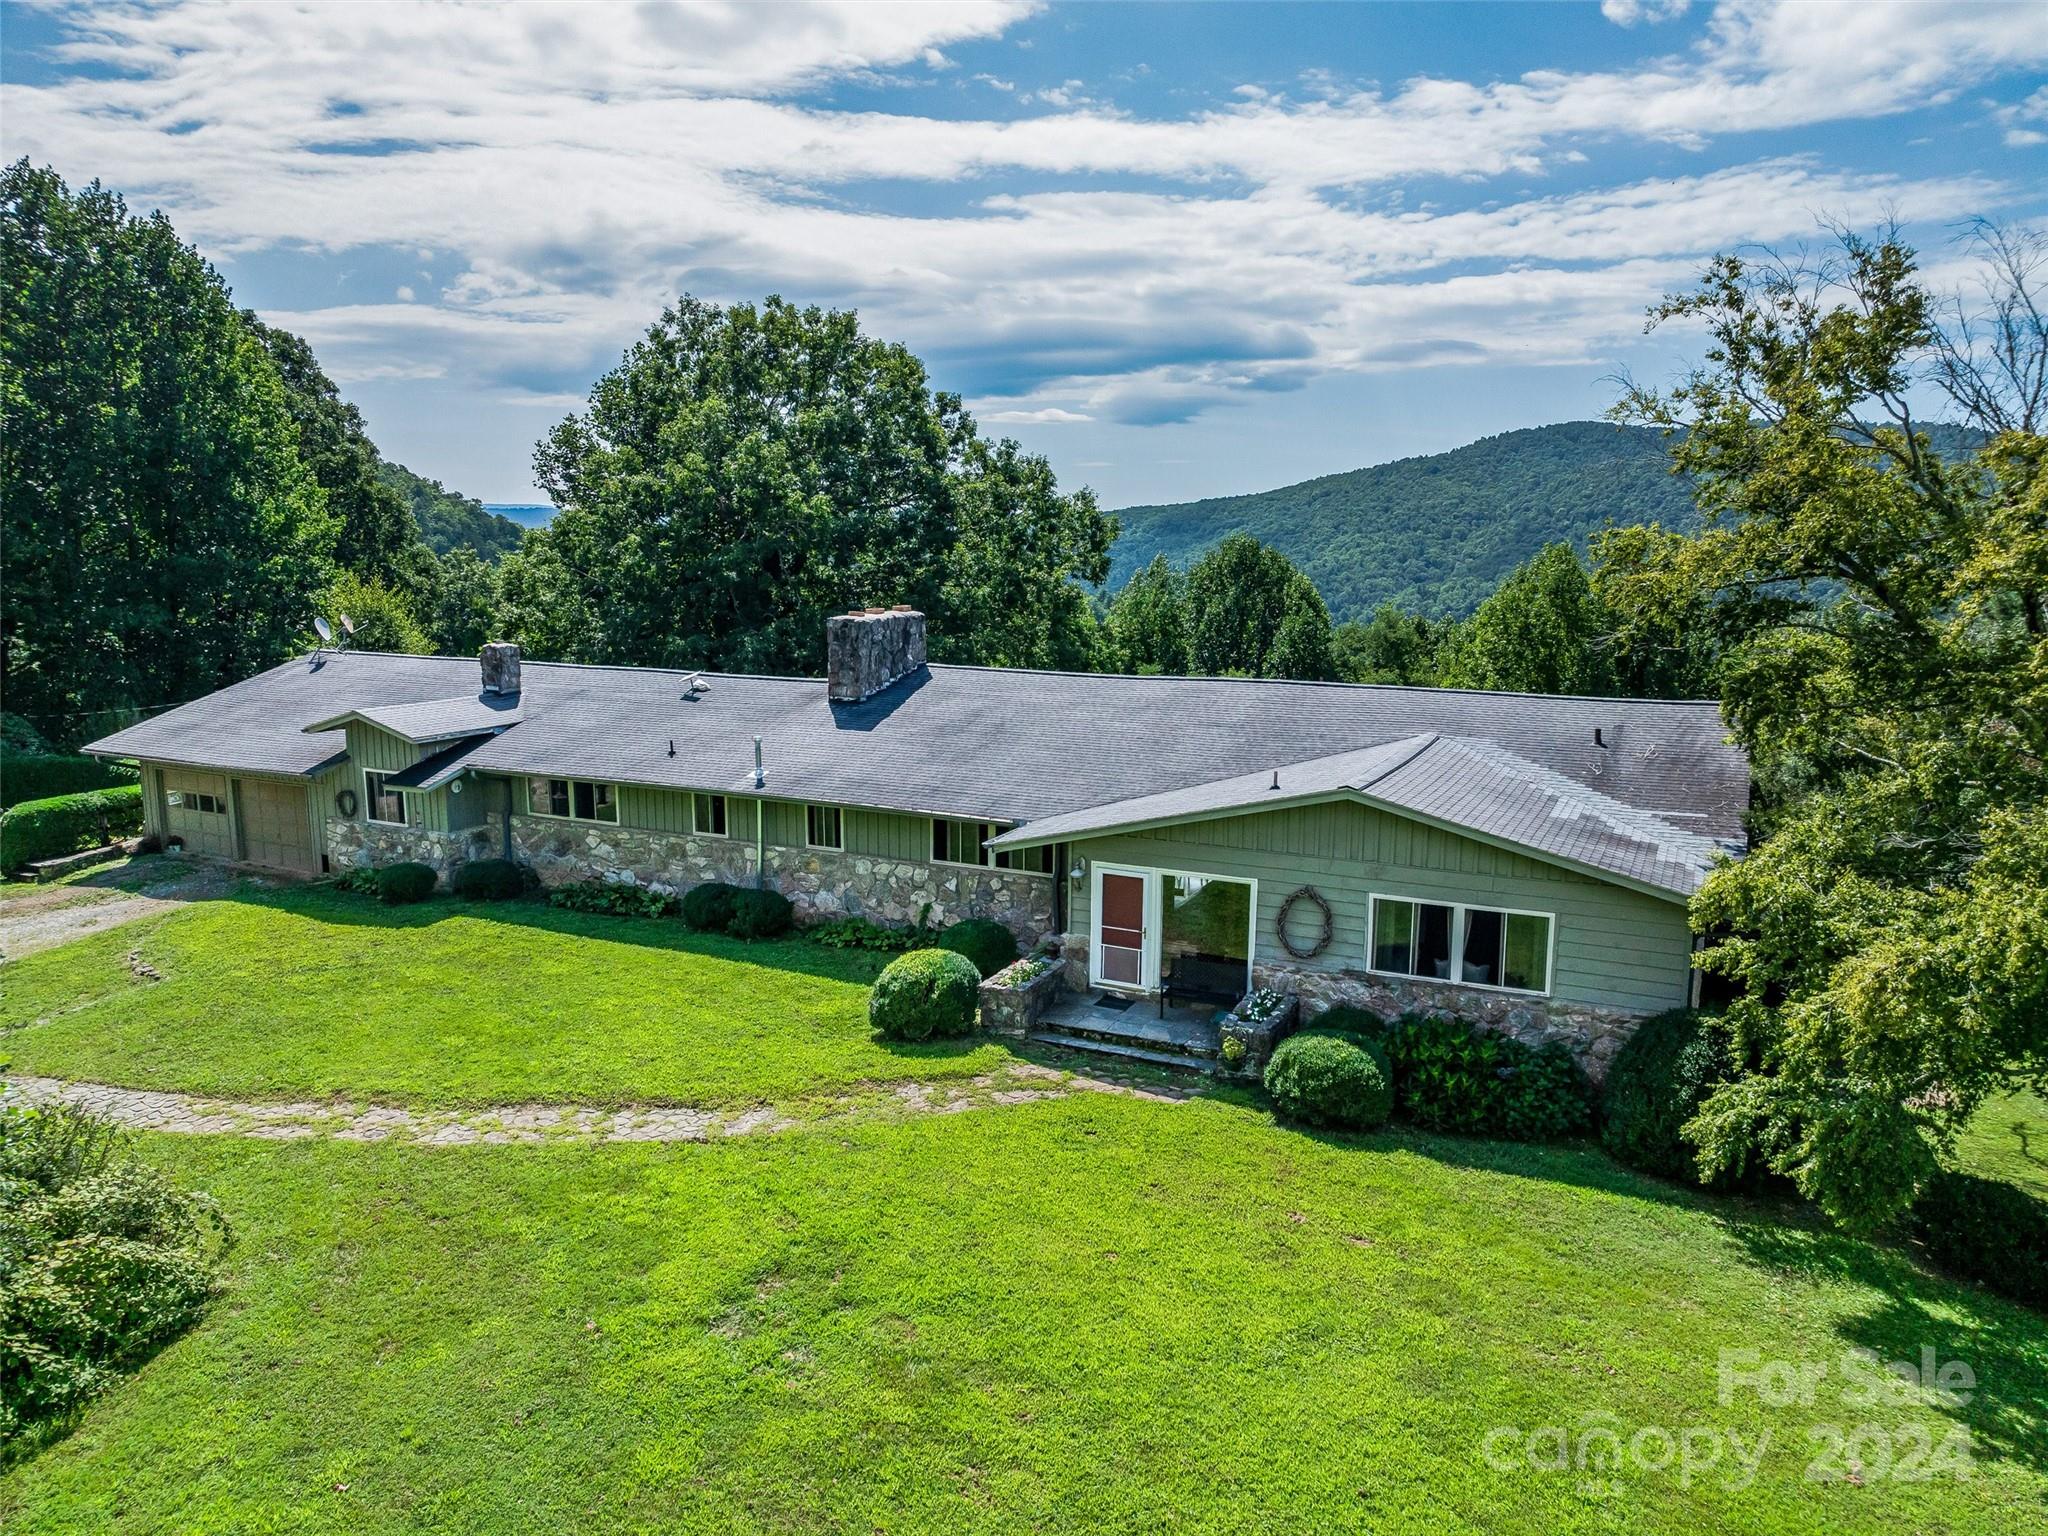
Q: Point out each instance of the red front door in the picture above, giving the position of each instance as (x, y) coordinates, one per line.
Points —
(1120, 930)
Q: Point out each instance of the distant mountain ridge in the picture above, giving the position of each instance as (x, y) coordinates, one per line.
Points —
(1436, 533)
(448, 518)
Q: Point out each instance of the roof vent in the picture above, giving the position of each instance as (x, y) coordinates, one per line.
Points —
(1276, 779)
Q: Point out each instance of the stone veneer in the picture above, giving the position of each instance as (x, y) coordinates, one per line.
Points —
(819, 883)
(1591, 1033)
(356, 841)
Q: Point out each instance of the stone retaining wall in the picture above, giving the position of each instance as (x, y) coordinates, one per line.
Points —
(1009, 1010)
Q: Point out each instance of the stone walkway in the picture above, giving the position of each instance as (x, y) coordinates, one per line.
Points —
(342, 1120)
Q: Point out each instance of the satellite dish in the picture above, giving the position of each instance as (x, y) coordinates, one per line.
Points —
(348, 624)
(324, 629)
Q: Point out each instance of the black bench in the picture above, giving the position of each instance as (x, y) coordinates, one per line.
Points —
(1201, 978)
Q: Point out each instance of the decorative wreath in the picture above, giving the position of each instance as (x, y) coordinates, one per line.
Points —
(1284, 920)
(345, 802)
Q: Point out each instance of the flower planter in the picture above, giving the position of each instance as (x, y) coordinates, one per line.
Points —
(1017, 996)
(1260, 1021)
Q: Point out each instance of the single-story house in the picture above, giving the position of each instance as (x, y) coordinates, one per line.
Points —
(1523, 860)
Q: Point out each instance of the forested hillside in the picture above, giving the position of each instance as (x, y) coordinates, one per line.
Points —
(1435, 534)
(448, 518)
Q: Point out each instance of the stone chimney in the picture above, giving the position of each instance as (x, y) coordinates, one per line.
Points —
(868, 649)
(501, 669)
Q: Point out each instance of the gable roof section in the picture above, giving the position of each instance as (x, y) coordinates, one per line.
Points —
(433, 720)
(1005, 746)
(1471, 787)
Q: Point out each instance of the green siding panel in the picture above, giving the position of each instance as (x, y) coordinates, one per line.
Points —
(1614, 947)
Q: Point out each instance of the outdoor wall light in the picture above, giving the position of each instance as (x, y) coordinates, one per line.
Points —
(1080, 868)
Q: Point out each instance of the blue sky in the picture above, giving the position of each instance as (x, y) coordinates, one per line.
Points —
(1183, 250)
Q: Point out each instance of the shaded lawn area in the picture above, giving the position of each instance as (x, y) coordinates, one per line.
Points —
(2008, 1139)
(297, 993)
(1101, 1314)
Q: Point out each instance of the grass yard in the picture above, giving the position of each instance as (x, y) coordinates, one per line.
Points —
(306, 993)
(2008, 1139)
(1097, 1314)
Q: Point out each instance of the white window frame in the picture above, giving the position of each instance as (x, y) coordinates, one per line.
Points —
(370, 799)
(581, 821)
(996, 857)
(838, 811)
(1155, 922)
(1458, 911)
(697, 795)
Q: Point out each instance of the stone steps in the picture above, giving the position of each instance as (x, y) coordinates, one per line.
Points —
(1093, 1044)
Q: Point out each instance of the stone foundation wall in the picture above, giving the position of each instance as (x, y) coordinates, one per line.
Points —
(1590, 1033)
(818, 883)
(356, 842)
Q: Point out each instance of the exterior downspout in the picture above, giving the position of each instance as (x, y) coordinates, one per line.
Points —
(508, 818)
(760, 822)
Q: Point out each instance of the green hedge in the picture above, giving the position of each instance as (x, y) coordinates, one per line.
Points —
(926, 993)
(1452, 1076)
(1986, 1230)
(30, 776)
(760, 915)
(490, 880)
(48, 829)
(708, 908)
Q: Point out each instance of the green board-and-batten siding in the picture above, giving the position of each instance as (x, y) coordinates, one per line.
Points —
(1613, 947)
(436, 810)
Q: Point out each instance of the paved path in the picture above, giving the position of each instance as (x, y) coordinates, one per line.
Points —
(342, 1120)
(57, 914)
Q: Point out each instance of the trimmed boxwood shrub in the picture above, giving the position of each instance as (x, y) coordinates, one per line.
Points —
(1330, 1078)
(1986, 1230)
(1660, 1077)
(708, 908)
(926, 993)
(400, 885)
(1450, 1076)
(27, 776)
(48, 829)
(489, 880)
(759, 914)
(983, 940)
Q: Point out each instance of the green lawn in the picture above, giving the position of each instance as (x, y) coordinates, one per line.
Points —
(284, 994)
(2008, 1139)
(1098, 1314)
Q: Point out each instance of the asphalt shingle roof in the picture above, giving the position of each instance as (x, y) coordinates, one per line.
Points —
(980, 743)
(469, 714)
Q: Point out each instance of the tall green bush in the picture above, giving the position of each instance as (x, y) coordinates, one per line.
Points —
(400, 885)
(708, 908)
(102, 1261)
(926, 993)
(1658, 1081)
(48, 829)
(31, 776)
(760, 915)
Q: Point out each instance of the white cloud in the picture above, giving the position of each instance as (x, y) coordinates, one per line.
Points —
(405, 293)
(570, 170)
(1626, 13)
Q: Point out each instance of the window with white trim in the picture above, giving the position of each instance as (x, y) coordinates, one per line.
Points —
(572, 799)
(966, 842)
(381, 803)
(1477, 946)
(824, 827)
(707, 815)
(199, 800)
